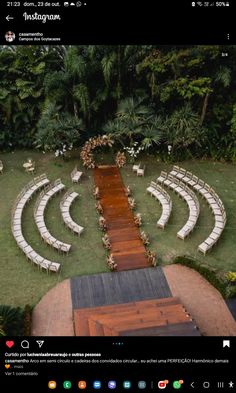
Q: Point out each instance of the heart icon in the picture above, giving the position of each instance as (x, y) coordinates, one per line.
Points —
(7, 365)
(9, 344)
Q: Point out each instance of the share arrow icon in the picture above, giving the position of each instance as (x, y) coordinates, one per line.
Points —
(40, 343)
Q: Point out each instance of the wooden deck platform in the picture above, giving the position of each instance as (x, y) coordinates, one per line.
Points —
(96, 290)
(156, 317)
(127, 247)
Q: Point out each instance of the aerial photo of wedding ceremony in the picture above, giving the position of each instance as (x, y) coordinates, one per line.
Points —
(118, 190)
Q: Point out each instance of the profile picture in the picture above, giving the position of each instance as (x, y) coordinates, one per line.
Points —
(10, 36)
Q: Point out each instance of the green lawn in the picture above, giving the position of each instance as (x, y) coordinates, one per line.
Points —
(22, 283)
(222, 177)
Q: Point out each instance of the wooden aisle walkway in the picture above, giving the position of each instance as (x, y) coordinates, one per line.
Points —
(127, 247)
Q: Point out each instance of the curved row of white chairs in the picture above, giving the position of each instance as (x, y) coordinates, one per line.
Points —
(164, 198)
(213, 200)
(39, 216)
(65, 205)
(189, 197)
(22, 199)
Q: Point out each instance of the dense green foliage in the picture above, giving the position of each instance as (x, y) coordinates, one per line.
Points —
(158, 95)
(11, 321)
(2, 331)
(213, 275)
(57, 130)
(15, 321)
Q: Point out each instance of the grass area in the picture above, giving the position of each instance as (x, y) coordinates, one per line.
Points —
(22, 283)
(222, 177)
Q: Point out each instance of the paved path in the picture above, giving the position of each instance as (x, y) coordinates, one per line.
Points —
(53, 314)
(126, 245)
(202, 300)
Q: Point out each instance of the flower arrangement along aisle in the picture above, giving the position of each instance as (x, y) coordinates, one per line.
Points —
(151, 256)
(111, 263)
(120, 159)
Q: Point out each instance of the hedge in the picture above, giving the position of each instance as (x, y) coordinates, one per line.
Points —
(211, 274)
(15, 321)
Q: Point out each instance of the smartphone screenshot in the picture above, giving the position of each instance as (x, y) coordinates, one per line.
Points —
(117, 196)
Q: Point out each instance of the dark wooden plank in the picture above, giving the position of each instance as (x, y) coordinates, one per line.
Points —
(122, 287)
(136, 316)
(134, 261)
(178, 329)
(151, 304)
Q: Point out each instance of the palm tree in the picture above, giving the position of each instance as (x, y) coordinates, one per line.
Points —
(2, 333)
(22, 73)
(132, 110)
(184, 128)
(11, 320)
(153, 133)
(136, 120)
(117, 129)
(65, 86)
(57, 130)
(131, 118)
(92, 79)
(75, 84)
(119, 66)
(223, 78)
